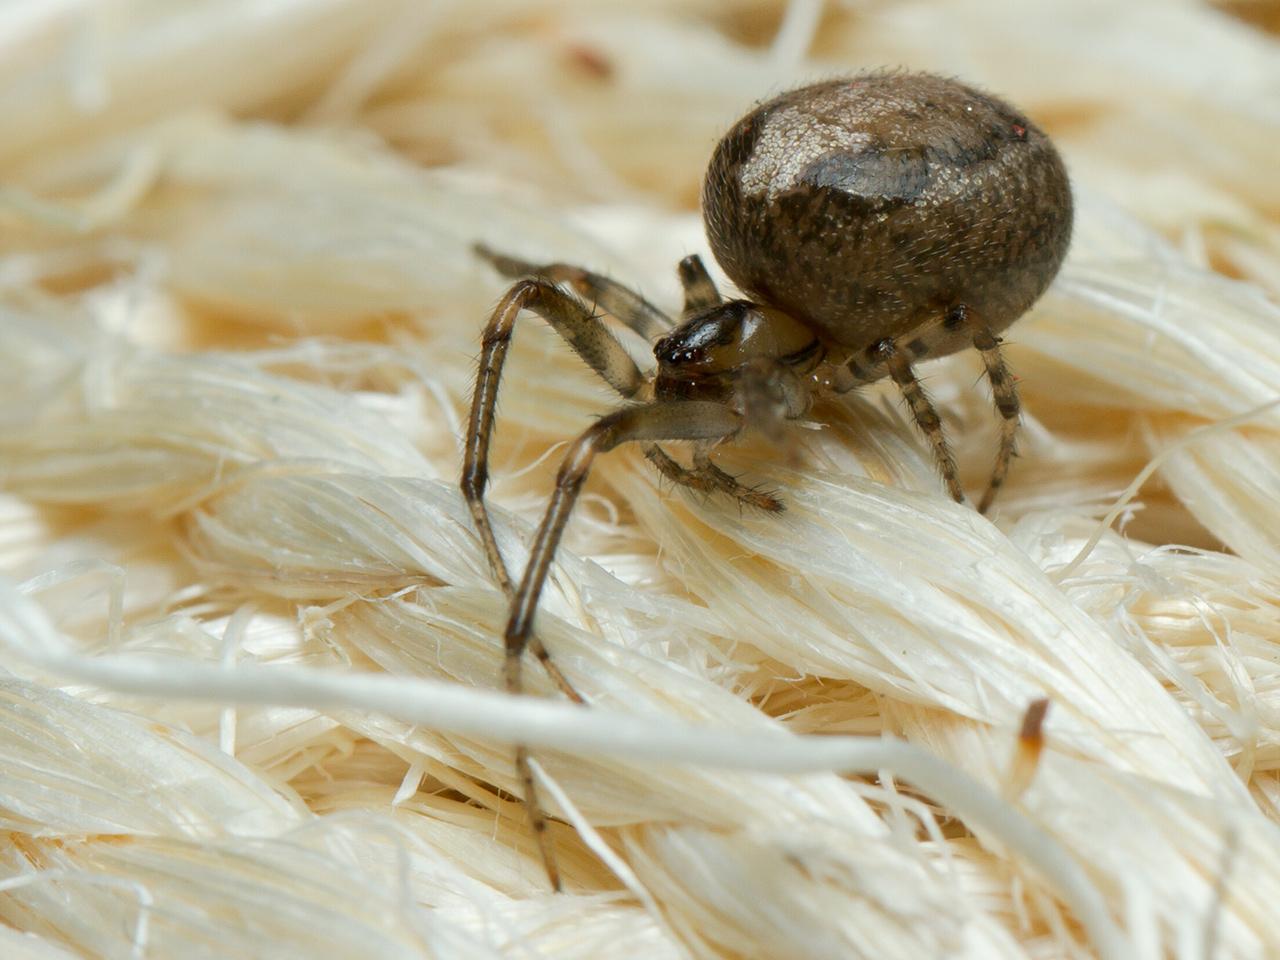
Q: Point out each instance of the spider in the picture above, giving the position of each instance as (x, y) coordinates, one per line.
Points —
(871, 222)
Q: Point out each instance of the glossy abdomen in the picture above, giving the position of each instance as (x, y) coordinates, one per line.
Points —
(870, 207)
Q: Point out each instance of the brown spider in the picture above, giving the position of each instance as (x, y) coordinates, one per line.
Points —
(871, 221)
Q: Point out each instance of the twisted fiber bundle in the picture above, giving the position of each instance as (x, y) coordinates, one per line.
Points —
(249, 638)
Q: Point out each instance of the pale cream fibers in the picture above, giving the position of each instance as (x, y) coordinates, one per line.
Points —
(251, 644)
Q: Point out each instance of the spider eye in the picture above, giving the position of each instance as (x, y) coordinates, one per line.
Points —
(676, 350)
(707, 340)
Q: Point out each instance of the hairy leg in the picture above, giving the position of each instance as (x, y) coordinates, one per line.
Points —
(922, 410)
(591, 340)
(706, 477)
(662, 420)
(1005, 393)
(653, 421)
(614, 298)
(699, 289)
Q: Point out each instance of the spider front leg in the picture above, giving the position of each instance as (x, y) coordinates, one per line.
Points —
(664, 420)
(592, 341)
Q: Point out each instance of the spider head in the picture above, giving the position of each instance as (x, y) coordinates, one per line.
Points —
(717, 351)
(737, 350)
(719, 342)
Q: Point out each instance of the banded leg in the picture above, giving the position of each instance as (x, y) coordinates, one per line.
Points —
(1004, 391)
(654, 421)
(617, 300)
(922, 410)
(699, 289)
(592, 341)
(706, 477)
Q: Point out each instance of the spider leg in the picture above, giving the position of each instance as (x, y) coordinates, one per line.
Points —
(592, 341)
(663, 420)
(706, 477)
(699, 289)
(672, 470)
(728, 483)
(1005, 393)
(922, 410)
(615, 299)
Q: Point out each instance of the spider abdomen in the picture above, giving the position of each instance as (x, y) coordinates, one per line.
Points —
(870, 207)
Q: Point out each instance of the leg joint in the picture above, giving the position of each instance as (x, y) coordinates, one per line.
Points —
(985, 340)
(475, 477)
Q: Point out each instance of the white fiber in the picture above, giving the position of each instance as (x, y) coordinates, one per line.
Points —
(250, 647)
